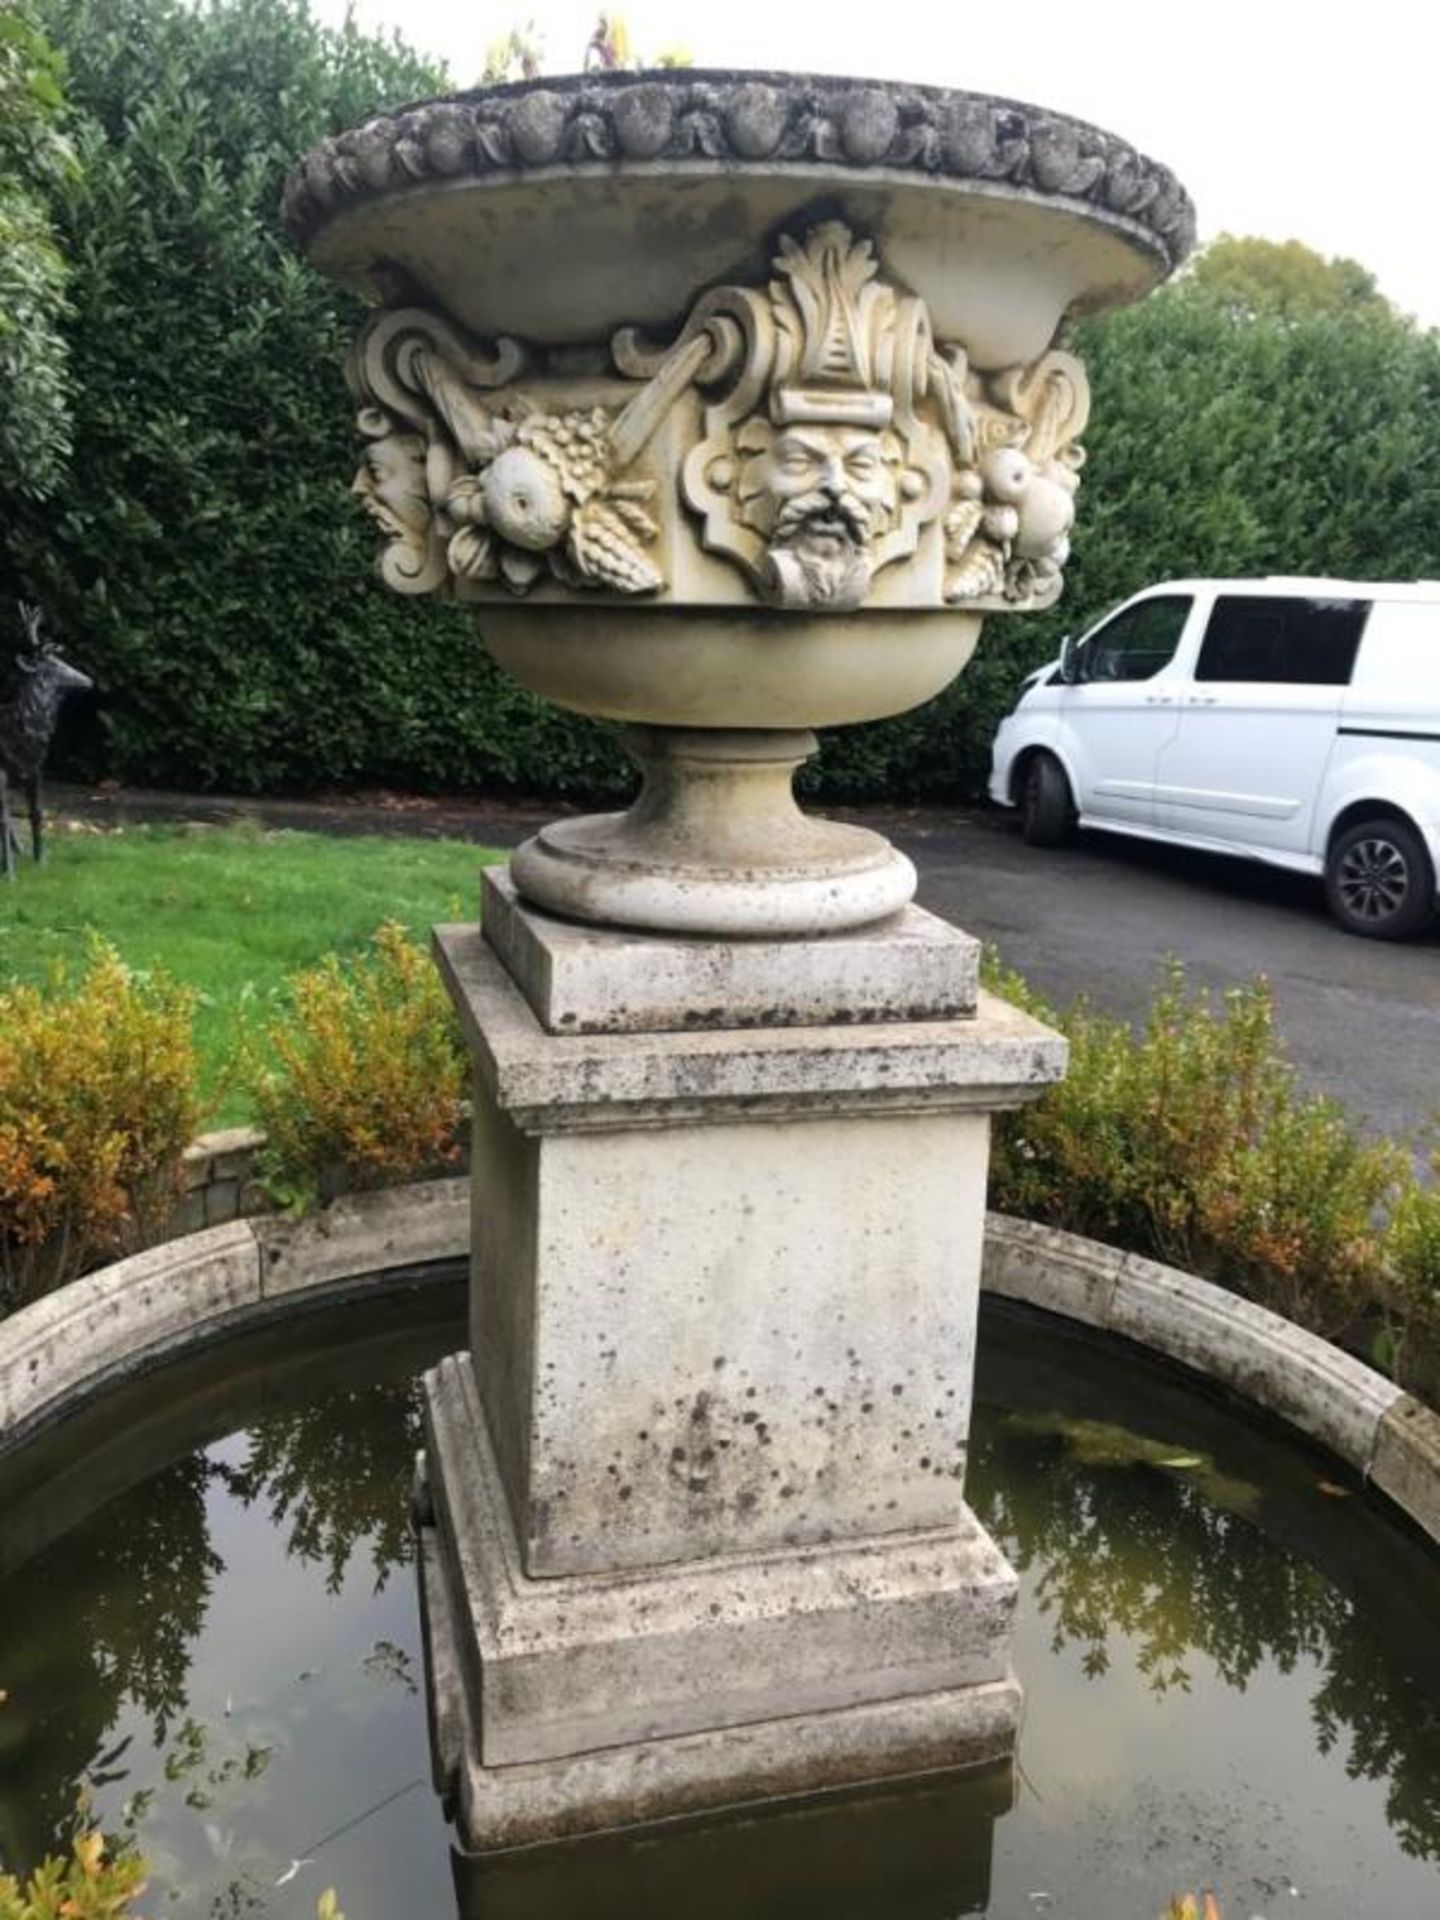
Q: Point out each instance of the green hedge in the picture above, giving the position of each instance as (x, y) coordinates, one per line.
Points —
(205, 562)
(204, 559)
(35, 161)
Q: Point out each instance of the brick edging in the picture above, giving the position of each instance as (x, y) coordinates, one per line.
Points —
(220, 1181)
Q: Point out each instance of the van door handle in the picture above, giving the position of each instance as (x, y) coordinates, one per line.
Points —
(1204, 699)
(1157, 699)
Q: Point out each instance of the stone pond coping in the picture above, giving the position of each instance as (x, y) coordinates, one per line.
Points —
(132, 1315)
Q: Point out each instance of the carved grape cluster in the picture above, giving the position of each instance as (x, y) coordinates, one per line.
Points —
(576, 445)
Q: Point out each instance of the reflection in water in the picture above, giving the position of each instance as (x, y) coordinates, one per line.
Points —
(1188, 1535)
(922, 1851)
(106, 1618)
(105, 1631)
(219, 1648)
(1126, 1549)
(328, 1471)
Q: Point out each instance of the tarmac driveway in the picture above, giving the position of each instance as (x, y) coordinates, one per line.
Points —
(1360, 1018)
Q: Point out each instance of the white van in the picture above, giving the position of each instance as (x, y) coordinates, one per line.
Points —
(1291, 721)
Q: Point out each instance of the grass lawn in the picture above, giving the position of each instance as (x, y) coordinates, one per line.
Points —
(230, 911)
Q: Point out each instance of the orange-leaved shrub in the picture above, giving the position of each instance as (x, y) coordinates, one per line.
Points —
(1413, 1240)
(1189, 1141)
(361, 1081)
(97, 1105)
(88, 1884)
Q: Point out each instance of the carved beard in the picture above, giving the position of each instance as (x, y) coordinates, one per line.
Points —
(818, 552)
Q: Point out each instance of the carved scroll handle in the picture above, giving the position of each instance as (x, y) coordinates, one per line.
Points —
(414, 377)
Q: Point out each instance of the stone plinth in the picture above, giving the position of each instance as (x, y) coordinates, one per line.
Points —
(579, 979)
(694, 1530)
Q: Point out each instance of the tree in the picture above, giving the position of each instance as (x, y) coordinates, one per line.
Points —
(609, 46)
(205, 561)
(517, 55)
(35, 160)
(1252, 276)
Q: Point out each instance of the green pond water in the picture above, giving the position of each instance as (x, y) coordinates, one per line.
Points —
(1231, 1655)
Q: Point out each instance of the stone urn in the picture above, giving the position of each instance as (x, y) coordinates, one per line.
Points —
(732, 403)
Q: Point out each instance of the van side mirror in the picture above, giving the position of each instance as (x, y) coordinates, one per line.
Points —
(1069, 660)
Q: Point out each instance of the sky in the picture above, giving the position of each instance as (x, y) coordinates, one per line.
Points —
(1312, 122)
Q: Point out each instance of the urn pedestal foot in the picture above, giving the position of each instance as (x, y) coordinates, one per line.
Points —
(715, 845)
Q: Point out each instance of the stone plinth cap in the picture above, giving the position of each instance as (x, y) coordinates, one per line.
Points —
(557, 1083)
(581, 979)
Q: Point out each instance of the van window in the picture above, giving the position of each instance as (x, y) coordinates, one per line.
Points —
(1309, 643)
(1138, 642)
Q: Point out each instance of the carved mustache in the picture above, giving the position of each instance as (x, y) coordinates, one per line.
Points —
(844, 515)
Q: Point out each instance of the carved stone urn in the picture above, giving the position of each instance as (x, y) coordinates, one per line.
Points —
(732, 403)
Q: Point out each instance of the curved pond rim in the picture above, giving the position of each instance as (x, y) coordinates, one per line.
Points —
(1229, 1651)
(138, 1315)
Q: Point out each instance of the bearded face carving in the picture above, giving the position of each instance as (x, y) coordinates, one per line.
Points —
(816, 470)
(818, 494)
(391, 486)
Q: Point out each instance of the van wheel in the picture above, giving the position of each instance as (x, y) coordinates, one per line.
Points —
(1047, 811)
(1379, 881)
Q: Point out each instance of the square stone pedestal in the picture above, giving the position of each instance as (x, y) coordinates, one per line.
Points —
(693, 1530)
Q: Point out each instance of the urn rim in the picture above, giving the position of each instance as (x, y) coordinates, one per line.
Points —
(729, 119)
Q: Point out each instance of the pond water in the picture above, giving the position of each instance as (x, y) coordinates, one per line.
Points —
(1231, 1655)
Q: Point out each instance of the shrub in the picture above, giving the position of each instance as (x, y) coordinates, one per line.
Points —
(1414, 1241)
(90, 1885)
(361, 1083)
(97, 1104)
(205, 559)
(1190, 1142)
(1409, 1344)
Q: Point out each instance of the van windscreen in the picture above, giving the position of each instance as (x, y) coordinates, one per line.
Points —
(1305, 642)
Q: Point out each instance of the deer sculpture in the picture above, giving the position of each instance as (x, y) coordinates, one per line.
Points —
(27, 725)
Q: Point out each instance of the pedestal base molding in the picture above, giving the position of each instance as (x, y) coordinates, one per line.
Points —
(569, 1706)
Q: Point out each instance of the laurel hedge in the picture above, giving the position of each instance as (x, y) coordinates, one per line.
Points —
(205, 563)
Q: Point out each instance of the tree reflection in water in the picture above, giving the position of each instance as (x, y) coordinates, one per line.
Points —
(1207, 1541)
(1126, 1540)
(335, 1473)
(106, 1616)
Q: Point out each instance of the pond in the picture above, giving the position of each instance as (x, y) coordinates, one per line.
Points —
(1231, 1654)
